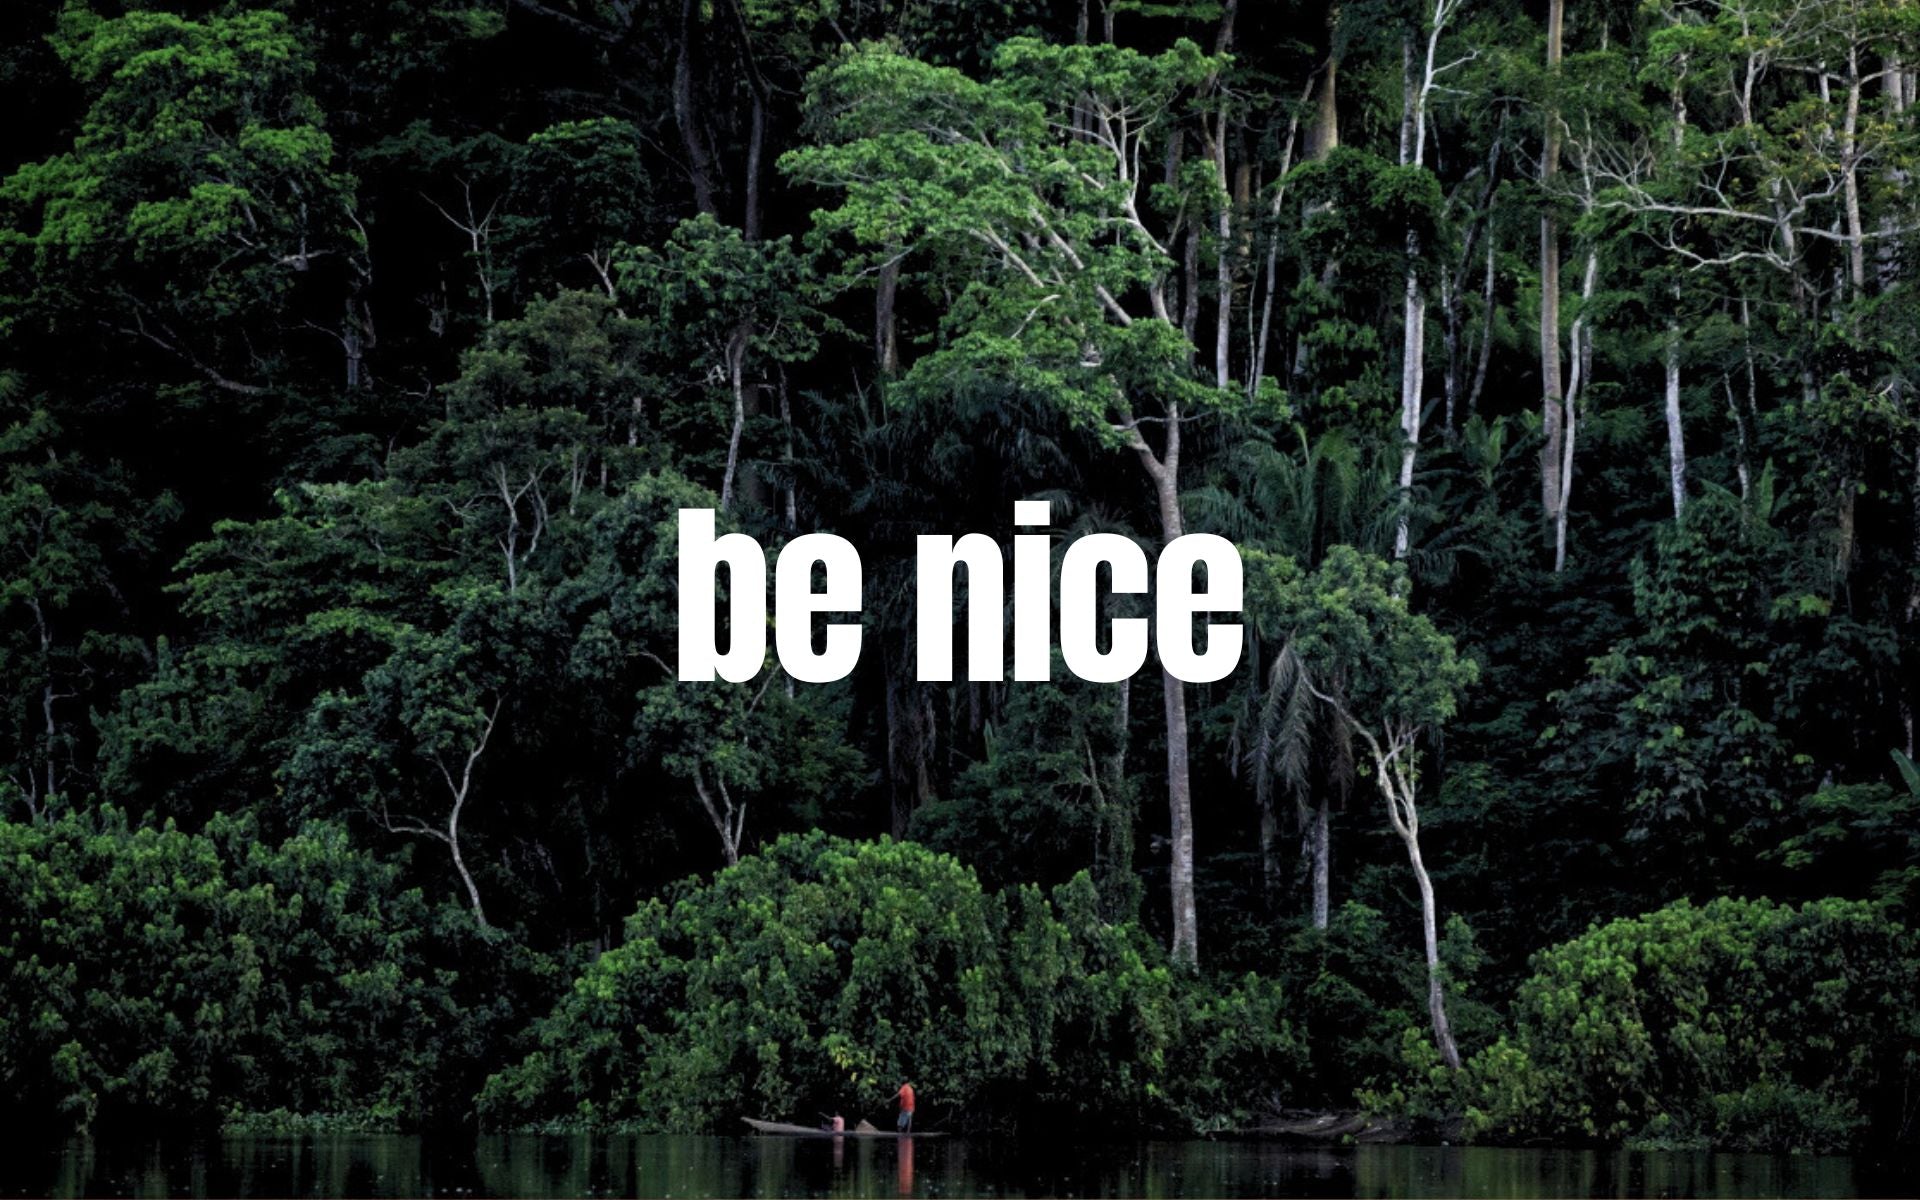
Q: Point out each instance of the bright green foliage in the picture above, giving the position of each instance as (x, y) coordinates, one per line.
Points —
(707, 283)
(199, 190)
(1053, 236)
(152, 973)
(1741, 1023)
(818, 974)
(1350, 623)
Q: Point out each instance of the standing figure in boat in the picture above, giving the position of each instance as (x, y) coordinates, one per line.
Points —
(905, 1097)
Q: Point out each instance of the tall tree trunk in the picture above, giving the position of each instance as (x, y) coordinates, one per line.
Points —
(1412, 375)
(1413, 350)
(1743, 441)
(1164, 470)
(1223, 219)
(1325, 139)
(460, 791)
(1190, 286)
(912, 737)
(793, 465)
(751, 212)
(1743, 414)
(1262, 338)
(1223, 35)
(1899, 88)
(1453, 301)
(1452, 317)
(1395, 775)
(1119, 890)
(686, 119)
(1186, 925)
(1913, 599)
(729, 820)
(466, 877)
(886, 351)
(1326, 122)
(47, 698)
(1223, 252)
(1582, 346)
(1486, 332)
(1899, 95)
(1429, 926)
(736, 378)
(1551, 451)
(1850, 179)
(1415, 87)
(1320, 856)
(1676, 439)
(1270, 880)
(756, 148)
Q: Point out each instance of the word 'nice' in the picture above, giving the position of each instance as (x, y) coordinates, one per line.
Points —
(1176, 603)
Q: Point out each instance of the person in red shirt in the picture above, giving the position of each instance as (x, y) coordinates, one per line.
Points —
(905, 1097)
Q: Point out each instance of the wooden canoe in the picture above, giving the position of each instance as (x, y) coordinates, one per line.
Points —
(783, 1130)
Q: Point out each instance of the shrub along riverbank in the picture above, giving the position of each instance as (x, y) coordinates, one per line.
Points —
(151, 974)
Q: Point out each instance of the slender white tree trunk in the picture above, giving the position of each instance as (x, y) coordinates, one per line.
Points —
(1164, 469)
(466, 877)
(1551, 450)
(1322, 866)
(736, 376)
(1581, 337)
(1412, 374)
(460, 790)
(1416, 88)
(1429, 924)
(1273, 252)
(1850, 178)
(1223, 260)
(1676, 436)
(1395, 776)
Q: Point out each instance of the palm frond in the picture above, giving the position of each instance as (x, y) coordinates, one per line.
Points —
(1908, 771)
(1283, 750)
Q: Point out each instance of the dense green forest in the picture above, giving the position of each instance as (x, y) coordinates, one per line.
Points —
(1550, 365)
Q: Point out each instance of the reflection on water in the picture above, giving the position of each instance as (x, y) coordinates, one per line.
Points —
(527, 1165)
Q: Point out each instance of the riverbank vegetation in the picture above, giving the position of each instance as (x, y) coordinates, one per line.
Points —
(1551, 366)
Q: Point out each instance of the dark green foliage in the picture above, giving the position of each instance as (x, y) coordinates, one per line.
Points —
(1049, 770)
(1740, 1023)
(818, 974)
(355, 358)
(155, 974)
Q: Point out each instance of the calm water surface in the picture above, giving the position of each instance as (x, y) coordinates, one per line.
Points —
(525, 1165)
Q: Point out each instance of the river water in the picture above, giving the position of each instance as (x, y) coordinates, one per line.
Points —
(613, 1165)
